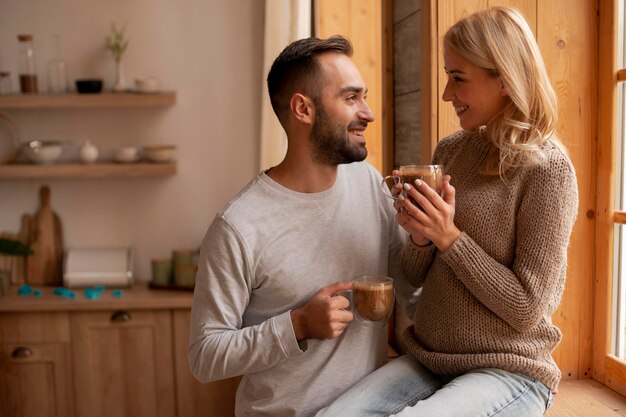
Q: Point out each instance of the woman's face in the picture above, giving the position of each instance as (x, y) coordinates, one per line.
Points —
(477, 96)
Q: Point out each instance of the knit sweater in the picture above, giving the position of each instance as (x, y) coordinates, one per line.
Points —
(487, 301)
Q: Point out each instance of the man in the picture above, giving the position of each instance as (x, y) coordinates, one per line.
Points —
(267, 301)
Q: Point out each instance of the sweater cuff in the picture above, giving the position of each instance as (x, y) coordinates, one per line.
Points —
(459, 252)
(282, 329)
(414, 253)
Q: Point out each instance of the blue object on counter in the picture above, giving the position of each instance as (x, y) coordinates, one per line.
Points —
(99, 288)
(92, 293)
(64, 292)
(37, 293)
(117, 293)
(25, 290)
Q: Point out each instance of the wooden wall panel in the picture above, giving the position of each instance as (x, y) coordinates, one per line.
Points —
(361, 22)
(567, 36)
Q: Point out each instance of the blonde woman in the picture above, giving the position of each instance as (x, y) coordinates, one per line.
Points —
(490, 255)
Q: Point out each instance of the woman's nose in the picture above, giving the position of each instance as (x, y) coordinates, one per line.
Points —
(447, 93)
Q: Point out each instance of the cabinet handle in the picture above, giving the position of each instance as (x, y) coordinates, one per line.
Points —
(22, 352)
(121, 316)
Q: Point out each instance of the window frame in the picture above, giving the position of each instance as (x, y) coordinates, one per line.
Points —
(607, 368)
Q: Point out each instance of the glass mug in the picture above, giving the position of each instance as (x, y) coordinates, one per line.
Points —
(430, 174)
(371, 300)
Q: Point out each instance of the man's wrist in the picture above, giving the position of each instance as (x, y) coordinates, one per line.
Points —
(296, 322)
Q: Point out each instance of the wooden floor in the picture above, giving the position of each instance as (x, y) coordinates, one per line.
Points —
(586, 398)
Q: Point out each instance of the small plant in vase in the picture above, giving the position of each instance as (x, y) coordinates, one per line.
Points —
(117, 45)
(11, 247)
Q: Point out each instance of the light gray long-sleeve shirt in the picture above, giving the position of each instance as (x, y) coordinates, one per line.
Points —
(269, 251)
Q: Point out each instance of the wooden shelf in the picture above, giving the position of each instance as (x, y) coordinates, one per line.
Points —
(100, 100)
(98, 170)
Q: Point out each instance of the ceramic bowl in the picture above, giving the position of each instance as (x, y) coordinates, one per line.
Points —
(127, 154)
(43, 151)
(146, 85)
(159, 153)
(89, 86)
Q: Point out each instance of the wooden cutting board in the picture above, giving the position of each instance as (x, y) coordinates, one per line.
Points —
(45, 265)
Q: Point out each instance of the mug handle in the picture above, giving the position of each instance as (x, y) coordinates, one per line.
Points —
(385, 188)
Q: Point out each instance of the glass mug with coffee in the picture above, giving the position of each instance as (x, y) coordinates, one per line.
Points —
(430, 174)
(371, 300)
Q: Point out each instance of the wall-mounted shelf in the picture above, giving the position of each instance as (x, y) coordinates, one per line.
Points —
(98, 170)
(100, 100)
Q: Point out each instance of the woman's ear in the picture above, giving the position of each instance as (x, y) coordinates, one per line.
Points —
(503, 90)
(303, 108)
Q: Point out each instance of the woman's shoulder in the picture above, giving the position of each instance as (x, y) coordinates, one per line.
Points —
(552, 166)
(554, 156)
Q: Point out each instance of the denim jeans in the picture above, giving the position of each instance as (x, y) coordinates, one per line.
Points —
(406, 388)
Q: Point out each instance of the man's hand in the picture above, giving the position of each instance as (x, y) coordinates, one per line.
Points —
(324, 315)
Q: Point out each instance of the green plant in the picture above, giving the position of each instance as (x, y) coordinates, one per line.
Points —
(14, 247)
(116, 42)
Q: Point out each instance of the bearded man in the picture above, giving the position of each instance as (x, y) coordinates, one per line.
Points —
(267, 302)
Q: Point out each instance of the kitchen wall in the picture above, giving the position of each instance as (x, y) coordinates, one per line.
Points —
(209, 52)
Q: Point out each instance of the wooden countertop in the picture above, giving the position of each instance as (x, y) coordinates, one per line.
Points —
(138, 297)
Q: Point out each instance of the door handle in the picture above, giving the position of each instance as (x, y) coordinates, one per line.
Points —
(121, 316)
(21, 352)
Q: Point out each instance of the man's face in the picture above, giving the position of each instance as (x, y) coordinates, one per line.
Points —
(341, 113)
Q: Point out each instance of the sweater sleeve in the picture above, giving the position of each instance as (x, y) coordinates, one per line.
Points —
(220, 347)
(532, 287)
(416, 261)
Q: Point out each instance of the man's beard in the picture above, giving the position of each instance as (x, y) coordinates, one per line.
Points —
(332, 144)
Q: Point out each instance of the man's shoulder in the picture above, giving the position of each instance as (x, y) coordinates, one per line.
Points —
(246, 196)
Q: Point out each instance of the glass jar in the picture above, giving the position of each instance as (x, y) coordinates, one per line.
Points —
(26, 64)
(57, 69)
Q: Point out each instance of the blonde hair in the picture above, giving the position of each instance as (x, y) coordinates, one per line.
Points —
(500, 41)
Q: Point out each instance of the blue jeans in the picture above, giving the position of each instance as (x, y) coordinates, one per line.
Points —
(406, 388)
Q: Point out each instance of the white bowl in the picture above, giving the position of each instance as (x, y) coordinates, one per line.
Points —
(127, 154)
(43, 151)
(159, 153)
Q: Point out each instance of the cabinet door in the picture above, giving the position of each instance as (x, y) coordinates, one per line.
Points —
(215, 399)
(35, 380)
(123, 364)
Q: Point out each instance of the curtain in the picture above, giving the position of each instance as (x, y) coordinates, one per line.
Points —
(285, 22)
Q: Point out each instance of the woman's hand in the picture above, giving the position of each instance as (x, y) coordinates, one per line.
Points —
(396, 189)
(433, 220)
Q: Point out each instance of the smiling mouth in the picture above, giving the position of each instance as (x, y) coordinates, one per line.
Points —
(460, 109)
(356, 132)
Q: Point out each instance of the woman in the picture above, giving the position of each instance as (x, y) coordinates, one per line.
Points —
(490, 255)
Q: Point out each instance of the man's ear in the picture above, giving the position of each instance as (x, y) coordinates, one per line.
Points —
(303, 108)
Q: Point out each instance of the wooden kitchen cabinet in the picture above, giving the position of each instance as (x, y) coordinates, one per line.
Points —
(123, 363)
(35, 369)
(119, 357)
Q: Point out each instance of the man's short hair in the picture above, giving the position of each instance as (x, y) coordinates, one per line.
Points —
(297, 69)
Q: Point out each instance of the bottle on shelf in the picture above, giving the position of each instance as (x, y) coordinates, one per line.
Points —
(57, 68)
(26, 64)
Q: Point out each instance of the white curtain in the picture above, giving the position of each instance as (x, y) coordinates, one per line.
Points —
(285, 22)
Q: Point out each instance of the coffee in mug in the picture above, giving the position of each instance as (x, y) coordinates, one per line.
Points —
(372, 300)
(430, 174)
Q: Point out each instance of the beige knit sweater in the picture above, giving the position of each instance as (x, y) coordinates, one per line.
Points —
(487, 301)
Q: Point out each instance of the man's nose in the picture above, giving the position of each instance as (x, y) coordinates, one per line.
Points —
(366, 113)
